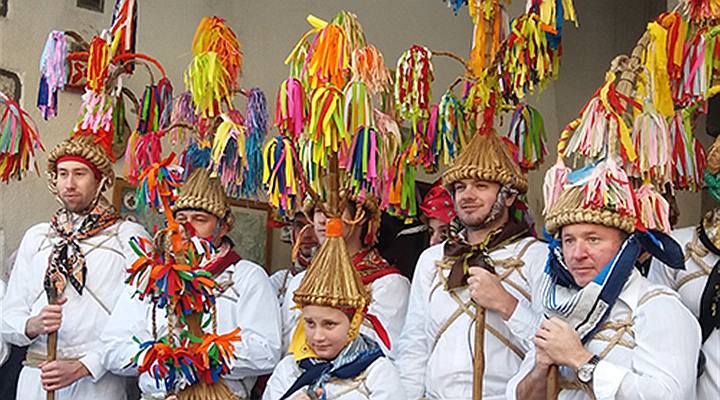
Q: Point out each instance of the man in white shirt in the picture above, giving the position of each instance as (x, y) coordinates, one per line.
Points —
(613, 334)
(84, 248)
(244, 299)
(489, 264)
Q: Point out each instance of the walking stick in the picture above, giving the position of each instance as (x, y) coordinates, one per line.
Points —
(479, 358)
(552, 383)
(53, 288)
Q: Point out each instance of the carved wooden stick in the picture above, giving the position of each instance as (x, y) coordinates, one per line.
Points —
(479, 356)
(552, 383)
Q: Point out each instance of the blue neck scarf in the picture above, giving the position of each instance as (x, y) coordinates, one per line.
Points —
(585, 308)
(351, 362)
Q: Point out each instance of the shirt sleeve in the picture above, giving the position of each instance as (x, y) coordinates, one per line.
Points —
(282, 378)
(383, 381)
(528, 314)
(128, 320)
(22, 292)
(526, 366)
(258, 318)
(664, 362)
(289, 314)
(389, 304)
(414, 344)
(4, 348)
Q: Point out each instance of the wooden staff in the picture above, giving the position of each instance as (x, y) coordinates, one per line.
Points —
(52, 337)
(552, 383)
(479, 356)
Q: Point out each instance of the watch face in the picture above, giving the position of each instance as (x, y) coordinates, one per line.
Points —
(585, 373)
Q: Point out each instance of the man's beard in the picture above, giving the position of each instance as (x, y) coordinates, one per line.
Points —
(495, 211)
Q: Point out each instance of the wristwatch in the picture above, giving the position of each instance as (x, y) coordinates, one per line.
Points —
(585, 372)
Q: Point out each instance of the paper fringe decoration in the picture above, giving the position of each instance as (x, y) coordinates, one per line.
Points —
(368, 66)
(311, 169)
(390, 138)
(195, 155)
(608, 187)
(143, 150)
(214, 36)
(528, 61)
(182, 112)
(291, 112)
(53, 73)
(703, 10)
(600, 126)
(426, 141)
(652, 140)
(282, 175)
(364, 164)
(227, 158)
(327, 128)
(653, 209)
(353, 30)
(328, 59)
(96, 118)
(527, 134)
(157, 185)
(256, 127)
(688, 155)
(400, 198)
(487, 17)
(155, 107)
(451, 132)
(183, 289)
(124, 27)
(207, 83)
(555, 180)
(98, 62)
(19, 140)
(413, 83)
(358, 106)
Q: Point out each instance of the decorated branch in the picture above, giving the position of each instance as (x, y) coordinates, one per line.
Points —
(174, 274)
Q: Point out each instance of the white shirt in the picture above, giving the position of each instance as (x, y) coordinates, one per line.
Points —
(4, 347)
(389, 304)
(690, 284)
(657, 355)
(380, 381)
(443, 370)
(280, 280)
(107, 256)
(249, 303)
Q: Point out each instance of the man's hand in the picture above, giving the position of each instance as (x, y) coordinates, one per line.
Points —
(47, 321)
(487, 291)
(561, 344)
(56, 375)
(542, 359)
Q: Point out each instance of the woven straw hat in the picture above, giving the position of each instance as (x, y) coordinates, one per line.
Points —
(332, 281)
(487, 158)
(202, 192)
(569, 209)
(83, 146)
